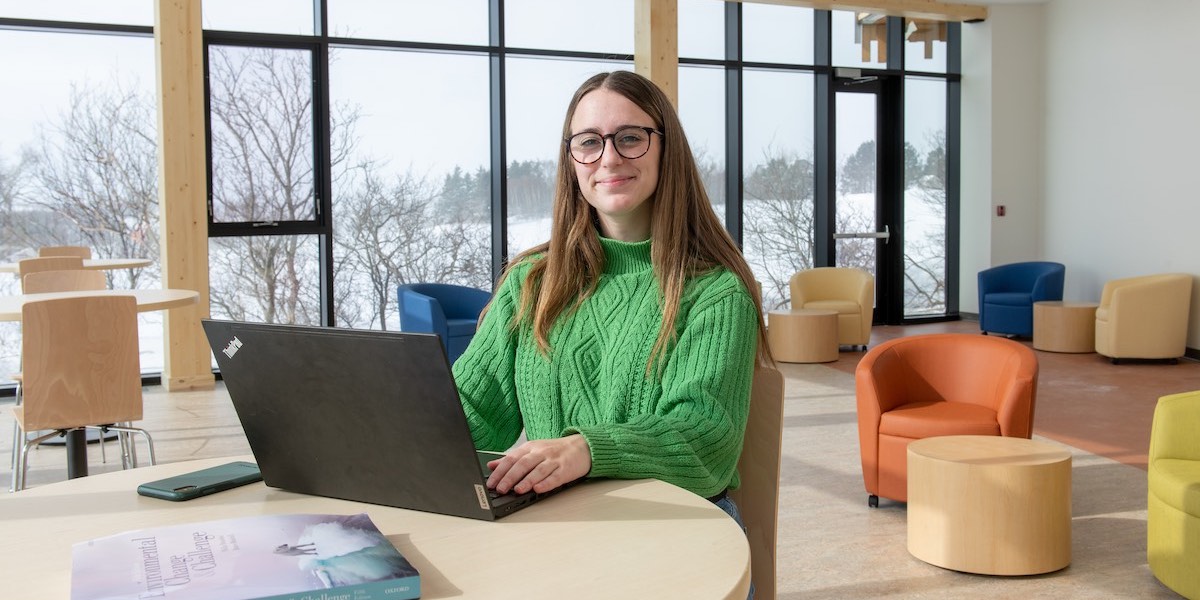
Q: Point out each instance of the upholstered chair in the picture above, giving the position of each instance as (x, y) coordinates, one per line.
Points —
(849, 291)
(1173, 479)
(1007, 293)
(942, 384)
(451, 311)
(1144, 317)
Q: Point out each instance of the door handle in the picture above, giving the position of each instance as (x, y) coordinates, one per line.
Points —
(884, 235)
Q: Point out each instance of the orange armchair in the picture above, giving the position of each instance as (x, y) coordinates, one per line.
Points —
(929, 385)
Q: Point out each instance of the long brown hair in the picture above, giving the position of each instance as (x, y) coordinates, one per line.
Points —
(688, 238)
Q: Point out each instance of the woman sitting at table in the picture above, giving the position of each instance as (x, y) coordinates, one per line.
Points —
(625, 346)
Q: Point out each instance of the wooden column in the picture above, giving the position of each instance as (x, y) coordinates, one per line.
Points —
(656, 44)
(182, 189)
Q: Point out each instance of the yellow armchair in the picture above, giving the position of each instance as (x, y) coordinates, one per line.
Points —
(1173, 478)
(849, 291)
(1144, 317)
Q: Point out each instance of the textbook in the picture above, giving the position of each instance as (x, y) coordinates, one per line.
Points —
(264, 557)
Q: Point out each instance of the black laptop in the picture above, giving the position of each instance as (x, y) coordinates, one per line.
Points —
(370, 416)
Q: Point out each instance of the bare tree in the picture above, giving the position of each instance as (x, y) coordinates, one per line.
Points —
(400, 233)
(93, 180)
(778, 231)
(262, 172)
(925, 254)
(12, 178)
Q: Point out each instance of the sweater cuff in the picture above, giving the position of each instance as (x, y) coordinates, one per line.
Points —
(606, 459)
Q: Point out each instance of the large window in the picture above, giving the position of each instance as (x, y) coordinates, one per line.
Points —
(78, 164)
(539, 90)
(412, 182)
(778, 181)
(925, 224)
(359, 144)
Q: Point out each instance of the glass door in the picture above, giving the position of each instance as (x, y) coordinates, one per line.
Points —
(862, 233)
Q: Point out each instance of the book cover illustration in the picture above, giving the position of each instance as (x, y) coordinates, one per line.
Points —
(296, 556)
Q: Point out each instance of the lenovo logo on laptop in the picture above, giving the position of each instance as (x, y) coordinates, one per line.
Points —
(233, 346)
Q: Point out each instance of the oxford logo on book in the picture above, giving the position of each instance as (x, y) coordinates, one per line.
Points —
(233, 346)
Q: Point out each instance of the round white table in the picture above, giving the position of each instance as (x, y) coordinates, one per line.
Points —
(94, 264)
(147, 300)
(600, 539)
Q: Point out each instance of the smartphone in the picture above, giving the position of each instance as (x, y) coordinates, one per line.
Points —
(202, 482)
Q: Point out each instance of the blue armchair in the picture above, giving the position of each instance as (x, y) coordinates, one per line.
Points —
(1007, 294)
(451, 311)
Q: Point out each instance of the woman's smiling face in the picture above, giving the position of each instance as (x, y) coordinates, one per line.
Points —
(618, 188)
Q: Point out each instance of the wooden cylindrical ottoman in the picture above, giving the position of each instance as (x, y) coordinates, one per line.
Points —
(989, 504)
(1064, 326)
(803, 335)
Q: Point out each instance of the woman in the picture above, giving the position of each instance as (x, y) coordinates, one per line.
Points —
(625, 346)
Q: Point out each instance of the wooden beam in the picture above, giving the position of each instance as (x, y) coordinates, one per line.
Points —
(656, 44)
(182, 189)
(914, 9)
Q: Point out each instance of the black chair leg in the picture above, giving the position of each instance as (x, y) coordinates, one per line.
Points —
(873, 501)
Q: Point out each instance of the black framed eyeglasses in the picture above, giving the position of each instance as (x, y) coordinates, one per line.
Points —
(630, 142)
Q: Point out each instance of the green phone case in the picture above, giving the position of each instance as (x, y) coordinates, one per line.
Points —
(202, 482)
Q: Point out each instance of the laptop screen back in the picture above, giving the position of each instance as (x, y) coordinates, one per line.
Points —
(369, 416)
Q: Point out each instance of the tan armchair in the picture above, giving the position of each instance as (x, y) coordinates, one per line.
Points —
(849, 291)
(1144, 317)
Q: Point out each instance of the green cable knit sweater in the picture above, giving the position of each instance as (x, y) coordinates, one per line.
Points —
(684, 427)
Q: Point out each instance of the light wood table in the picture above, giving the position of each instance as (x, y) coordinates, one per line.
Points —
(600, 539)
(94, 264)
(803, 335)
(147, 300)
(1064, 326)
(989, 504)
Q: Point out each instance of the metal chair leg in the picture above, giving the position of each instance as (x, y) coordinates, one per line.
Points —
(142, 432)
(19, 474)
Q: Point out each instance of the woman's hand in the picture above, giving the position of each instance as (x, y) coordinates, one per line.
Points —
(541, 465)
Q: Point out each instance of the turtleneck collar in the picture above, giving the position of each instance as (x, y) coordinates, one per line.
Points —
(625, 257)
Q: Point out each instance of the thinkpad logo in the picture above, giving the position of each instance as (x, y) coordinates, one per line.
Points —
(233, 346)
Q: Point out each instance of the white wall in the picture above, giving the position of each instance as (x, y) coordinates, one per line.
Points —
(1003, 125)
(1116, 163)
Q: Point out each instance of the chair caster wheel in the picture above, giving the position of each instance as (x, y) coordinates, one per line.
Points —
(873, 501)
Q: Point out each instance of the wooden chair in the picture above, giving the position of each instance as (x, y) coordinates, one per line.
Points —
(63, 281)
(758, 496)
(81, 370)
(38, 282)
(81, 251)
(50, 263)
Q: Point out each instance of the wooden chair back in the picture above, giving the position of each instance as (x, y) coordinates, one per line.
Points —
(80, 362)
(758, 496)
(81, 251)
(72, 280)
(49, 263)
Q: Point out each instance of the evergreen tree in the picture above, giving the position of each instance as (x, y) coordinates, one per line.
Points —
(858, 173)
